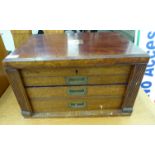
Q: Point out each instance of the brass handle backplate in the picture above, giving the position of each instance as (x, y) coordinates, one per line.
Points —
(76, 80)
(77, 92)
(77, 104)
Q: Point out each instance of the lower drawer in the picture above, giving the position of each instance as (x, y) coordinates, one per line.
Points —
(67, 104)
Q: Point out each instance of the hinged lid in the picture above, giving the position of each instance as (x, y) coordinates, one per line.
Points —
(81, 49)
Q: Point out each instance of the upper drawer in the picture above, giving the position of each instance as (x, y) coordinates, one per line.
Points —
(76, 71)
(76, 76)
(75, 80)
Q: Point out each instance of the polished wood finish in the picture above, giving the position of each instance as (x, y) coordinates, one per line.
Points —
(20, 93)
(3, 83)
(77, 50)
(53, 31)
(20, 37)
(62, 105)
(58, 80)
(75, 91)
(72, 71)
(144, 113)
(133, 87)
(3, 79)
(98, 74)
(58, 76)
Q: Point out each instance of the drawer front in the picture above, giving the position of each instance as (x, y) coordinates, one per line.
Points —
(85, 71)
(74, 91)
(75, 80)
(62, 105)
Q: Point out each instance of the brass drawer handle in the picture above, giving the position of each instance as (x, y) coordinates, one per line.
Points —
(77, 105)
(78, 92)
(76, 80)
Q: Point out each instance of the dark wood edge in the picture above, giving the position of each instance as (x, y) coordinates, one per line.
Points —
(77, 114)
(133, 86)
(127, 109)
(26, 113)
(18, 88)
(25, 63)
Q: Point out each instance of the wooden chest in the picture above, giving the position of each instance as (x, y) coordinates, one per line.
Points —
(85, 74)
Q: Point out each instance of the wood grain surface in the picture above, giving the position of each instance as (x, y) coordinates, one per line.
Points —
(53, 31)
(20, 37)
(77, 71)
(76, 67)
(64, 105)
(83, 49)
(76, 91)
(4, 83)
(143, 113)
(18, 88)
(90, 80)
(133, 87)
(91, 75)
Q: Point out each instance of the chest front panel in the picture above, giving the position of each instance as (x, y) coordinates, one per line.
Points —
(60, 76)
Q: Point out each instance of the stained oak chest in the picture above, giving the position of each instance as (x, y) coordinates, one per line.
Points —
(85, 74)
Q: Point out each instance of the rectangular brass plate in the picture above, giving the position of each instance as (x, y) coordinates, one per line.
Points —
(77, 92)
(76, 80)
(77, 104)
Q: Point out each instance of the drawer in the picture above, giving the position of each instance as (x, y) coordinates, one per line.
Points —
(83, 71)
(62, 105)
(75, 80)
(74, 91)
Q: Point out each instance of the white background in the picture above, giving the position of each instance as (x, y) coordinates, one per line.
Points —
(69, 14)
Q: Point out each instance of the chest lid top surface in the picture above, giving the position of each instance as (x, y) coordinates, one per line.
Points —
(66, 50)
